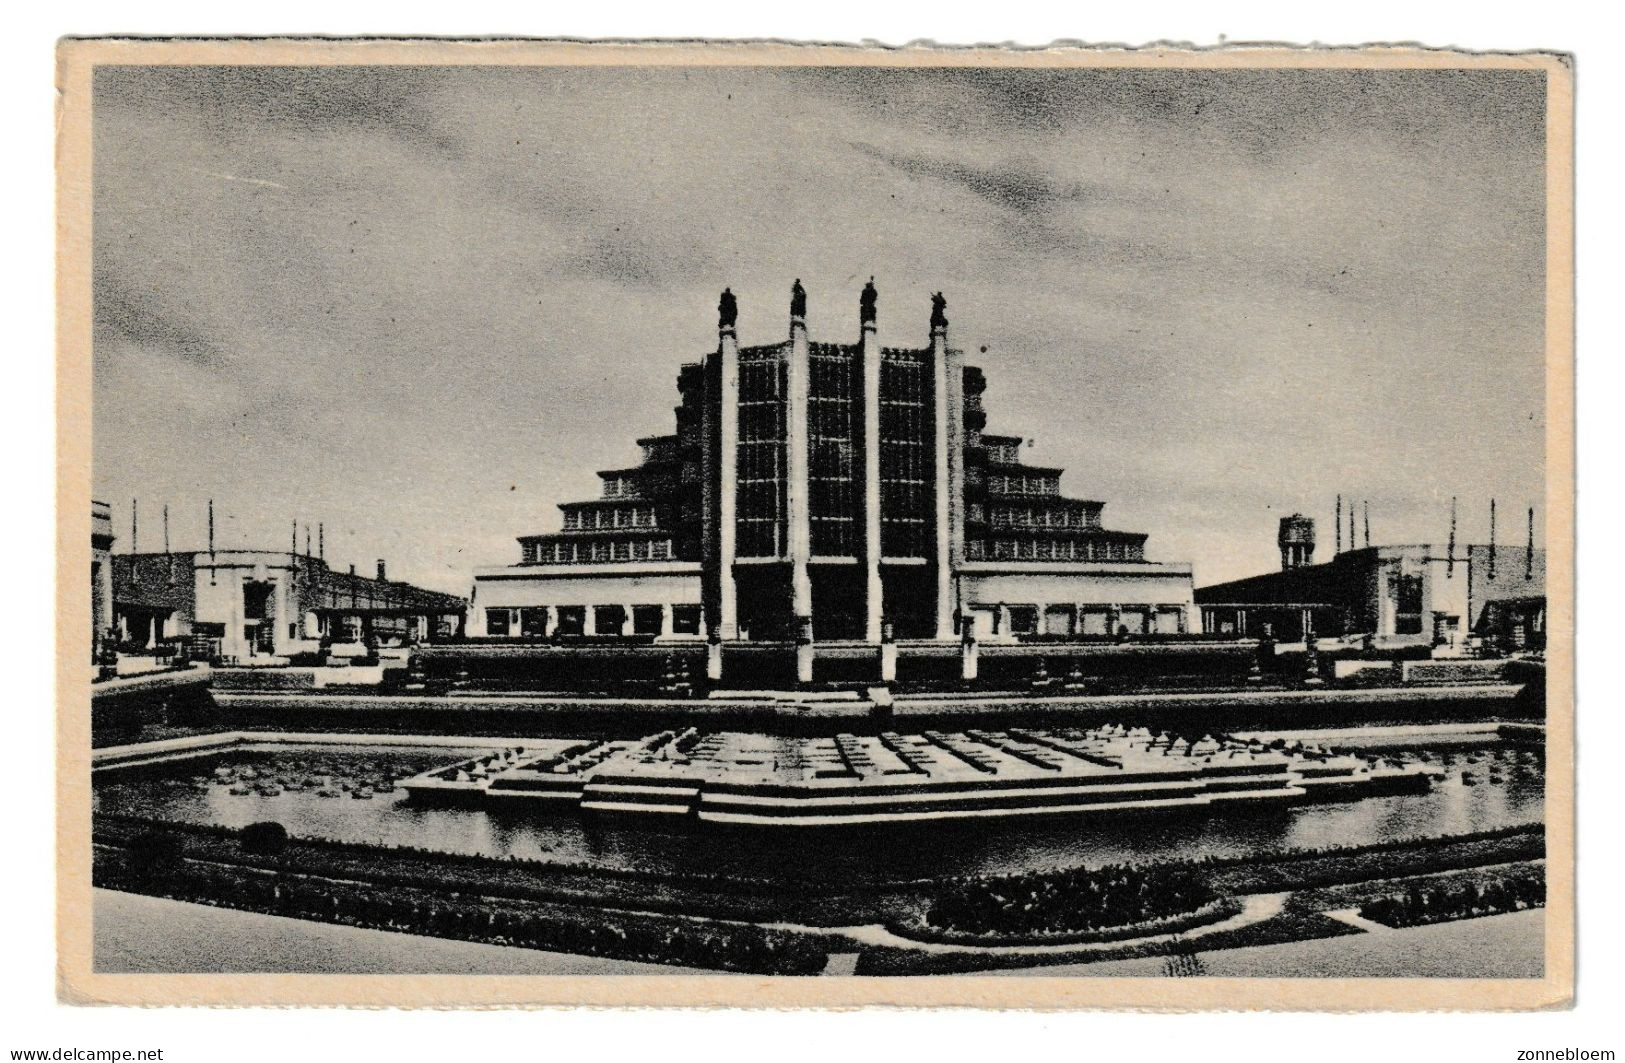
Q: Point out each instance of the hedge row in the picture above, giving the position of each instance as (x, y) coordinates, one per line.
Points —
(1422, 904)
(152, 868)
(1078, 900)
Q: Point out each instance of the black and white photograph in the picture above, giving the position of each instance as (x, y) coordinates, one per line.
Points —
(819, 525)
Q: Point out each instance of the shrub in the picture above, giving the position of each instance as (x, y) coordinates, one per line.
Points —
(1423, 903)
(1069, 901)
(155, 853)
(264, 839)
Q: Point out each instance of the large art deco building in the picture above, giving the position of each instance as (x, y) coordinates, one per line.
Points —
(834, 491)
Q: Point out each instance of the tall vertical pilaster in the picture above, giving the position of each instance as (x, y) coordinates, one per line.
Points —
(943, 554)
(727, 465)
(235, 644)
(956, 474)
(798, 533)
(1388, 573)
(869, 351)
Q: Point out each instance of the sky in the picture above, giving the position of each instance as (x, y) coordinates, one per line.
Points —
(422, 305)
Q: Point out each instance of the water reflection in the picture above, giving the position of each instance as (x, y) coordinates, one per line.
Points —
(1483, 788)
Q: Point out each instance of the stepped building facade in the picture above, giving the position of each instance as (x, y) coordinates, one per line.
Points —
(831, 491)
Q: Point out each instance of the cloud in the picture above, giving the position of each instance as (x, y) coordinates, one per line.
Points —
(124, 314)
(1025, 190)
(1205, 294)
(246, 180)
(236, 100)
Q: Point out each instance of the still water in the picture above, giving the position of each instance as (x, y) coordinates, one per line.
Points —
(311, 792)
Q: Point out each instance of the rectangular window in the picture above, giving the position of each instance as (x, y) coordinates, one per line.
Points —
(660, 550)
(1408, 604)
(608, 619)
(685, 619)
(1023, 619)
(496, 623)
(907, 468)
(761, 455)
(832, 470)
(623, 550)
(572, 620)
(533, 622)
(646, 619)
(1094, 620)
(640, 551)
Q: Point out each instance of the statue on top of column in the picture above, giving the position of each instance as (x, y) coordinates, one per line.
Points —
(798, 299)
(727, 309)
(939, 311)
(866, 302)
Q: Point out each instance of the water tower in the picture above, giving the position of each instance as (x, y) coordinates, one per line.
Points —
(1297, 541)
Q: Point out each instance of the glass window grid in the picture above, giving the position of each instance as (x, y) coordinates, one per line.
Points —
(832, 452)
(759, 516)
(907, 470)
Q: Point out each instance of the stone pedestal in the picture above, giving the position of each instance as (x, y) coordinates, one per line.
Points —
(804, 650)
(1265, 657)
(888, 654)
(968, 655)
(1311, 663)
(415, 678)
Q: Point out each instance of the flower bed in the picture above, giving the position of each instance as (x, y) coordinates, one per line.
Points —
(163, 870)
(1422, 904)
(1058, 906)
(1214, 911)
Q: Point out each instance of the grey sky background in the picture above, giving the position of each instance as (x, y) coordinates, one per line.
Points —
(423, 305)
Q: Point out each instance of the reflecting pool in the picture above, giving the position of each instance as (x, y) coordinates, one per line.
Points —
(348, 794)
